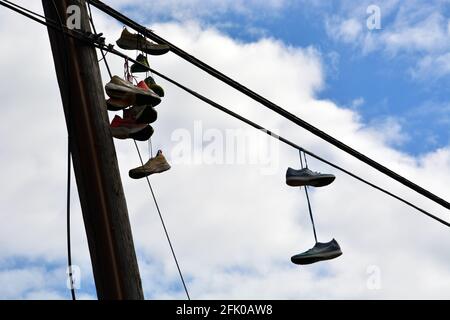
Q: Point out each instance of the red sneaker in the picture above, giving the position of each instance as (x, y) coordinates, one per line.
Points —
(150, 96)
(143, 85)
(129, 129)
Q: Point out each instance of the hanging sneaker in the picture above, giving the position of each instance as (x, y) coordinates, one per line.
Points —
(157, 164)
(124, 90)
(120, 89)
(142, 66)
(129, 129)
(115, 104)
(155, 87)
(306, 177)
(320, 252)
(141, 114)
(152, 98)
(133, 41)
(149, 81)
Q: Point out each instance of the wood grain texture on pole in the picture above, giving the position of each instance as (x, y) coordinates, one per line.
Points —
(102, 198)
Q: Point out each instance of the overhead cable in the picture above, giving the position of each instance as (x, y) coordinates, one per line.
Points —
(272, 106)
(110, 49)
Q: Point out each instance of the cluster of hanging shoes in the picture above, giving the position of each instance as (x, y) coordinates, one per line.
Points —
(137, 102)
(304, 177)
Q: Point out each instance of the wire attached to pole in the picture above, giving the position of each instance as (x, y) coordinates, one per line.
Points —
(268, 104)
(91, 20)
(69, 246)
(215, 105)
(69, 155)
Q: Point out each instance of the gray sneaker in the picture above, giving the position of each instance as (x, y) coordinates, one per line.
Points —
(120, 89)
(133, 41)
(306, 177)
(141, 114)
(320, 252)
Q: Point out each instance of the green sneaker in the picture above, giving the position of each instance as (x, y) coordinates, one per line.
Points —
(155, 87)
(149, 81)
(144, 66)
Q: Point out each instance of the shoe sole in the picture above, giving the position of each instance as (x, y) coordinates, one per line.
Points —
(139, 174)
(157, 51)
(141, 97)
(148, 115)
(311, 260)
(117, 91)
(151, 98)
(123, 133)
(143, 135)
(117, 104)
(313, 182)
(139, 69)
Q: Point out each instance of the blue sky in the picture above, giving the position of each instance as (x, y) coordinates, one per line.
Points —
(378, 84)
(385, 92)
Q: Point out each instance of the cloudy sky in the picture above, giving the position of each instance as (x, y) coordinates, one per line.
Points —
(234, 223)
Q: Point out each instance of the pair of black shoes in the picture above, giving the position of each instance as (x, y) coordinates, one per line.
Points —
(320, 251)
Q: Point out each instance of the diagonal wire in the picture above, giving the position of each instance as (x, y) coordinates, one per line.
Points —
(295, 146)
(164, 226)
(268, 104)
(110, 49)
(91, 20)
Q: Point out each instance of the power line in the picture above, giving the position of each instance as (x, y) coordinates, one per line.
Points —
(295, 146)
(284, 140)
(243, 119)
(27, 10)
(272, 106)
(91, 19)
(33, 15)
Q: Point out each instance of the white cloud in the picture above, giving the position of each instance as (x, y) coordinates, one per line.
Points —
(356, 103)
(413, 28)
(431, 66)
(390, 131)
(424, 36)
(234, 229)
(348, 30)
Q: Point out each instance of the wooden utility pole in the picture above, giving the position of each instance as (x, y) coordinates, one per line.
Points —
(97, 174)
